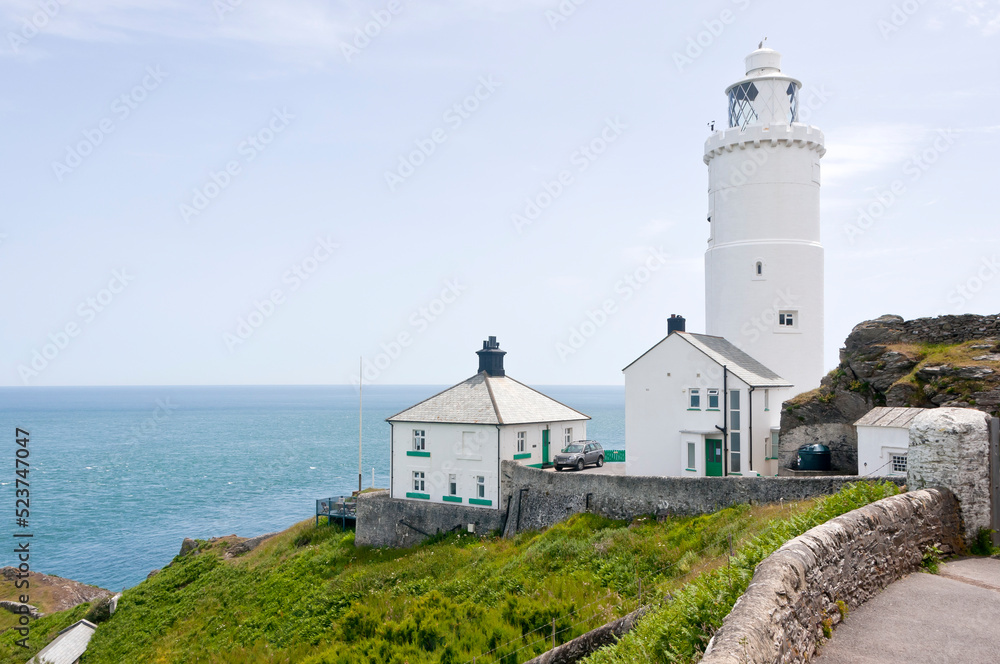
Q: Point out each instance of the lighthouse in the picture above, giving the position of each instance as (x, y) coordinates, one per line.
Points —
(764, 262)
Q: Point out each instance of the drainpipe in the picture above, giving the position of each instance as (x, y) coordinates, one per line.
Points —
(750, 427)
(392, 452)
(498, 465)
(725, 422)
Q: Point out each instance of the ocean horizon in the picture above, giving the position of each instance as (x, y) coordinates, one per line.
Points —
(121, 475)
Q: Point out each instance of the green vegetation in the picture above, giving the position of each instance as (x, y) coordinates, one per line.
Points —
(310, 596)
(931, 560)
(43, 630)
(983, 544)
(680, 629)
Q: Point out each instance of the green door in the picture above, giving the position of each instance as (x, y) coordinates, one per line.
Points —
(545, 447)
(713, 457)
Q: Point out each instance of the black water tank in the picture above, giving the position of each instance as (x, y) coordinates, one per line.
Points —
(814, 457)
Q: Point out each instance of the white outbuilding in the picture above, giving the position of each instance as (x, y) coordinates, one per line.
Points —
(448, 448)
(883, 440)
(696, 405)
(69, 646)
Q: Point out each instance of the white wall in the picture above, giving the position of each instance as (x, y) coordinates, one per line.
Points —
(444, 445)
(875, 444)
(764, 197)
(658, 423)
(508, 440)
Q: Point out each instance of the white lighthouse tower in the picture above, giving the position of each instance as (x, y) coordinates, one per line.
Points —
(764, 263)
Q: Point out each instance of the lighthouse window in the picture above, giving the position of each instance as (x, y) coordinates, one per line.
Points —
(786, 318)
(793, 103)
(759, 268)
(741, 111)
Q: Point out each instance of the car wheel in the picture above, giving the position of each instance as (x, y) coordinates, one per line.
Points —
(600, 461)
(558, 468)
(579, 464)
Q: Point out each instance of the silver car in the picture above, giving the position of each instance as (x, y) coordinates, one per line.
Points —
(580, 454)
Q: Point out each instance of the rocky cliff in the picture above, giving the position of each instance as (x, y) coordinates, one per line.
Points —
(927, 362)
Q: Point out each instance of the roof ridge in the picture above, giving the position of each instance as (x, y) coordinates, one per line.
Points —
(493, 399)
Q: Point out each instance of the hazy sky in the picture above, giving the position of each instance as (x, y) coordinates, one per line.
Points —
(172, 167)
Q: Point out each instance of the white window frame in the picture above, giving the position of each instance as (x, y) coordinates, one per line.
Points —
(452, 484)
(568, 435)
(788, 320)
(694, 398)
(713, 393)
(419, 481)
(692, 456)
(522, 440)
(735, 452)
(893, 464)
(419, 440)
(767, 399)
(480, 486)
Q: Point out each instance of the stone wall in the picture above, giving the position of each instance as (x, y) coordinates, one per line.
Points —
(795, 591)
(539, 499)
(390, 522)
(950, 447)
(542, 499)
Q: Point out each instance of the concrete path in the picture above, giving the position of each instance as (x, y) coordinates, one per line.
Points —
(926, 619)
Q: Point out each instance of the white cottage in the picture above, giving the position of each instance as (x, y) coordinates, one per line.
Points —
(448, 448)
(883, 440)
(696, 405)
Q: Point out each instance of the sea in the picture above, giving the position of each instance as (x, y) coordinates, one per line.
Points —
(119, 476)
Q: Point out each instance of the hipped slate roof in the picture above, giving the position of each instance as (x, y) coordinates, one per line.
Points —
(68, 646)
(887, 416)
(485, 399)
(723, 353)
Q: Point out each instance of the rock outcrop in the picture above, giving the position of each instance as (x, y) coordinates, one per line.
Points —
(49, 593)
(928, 362)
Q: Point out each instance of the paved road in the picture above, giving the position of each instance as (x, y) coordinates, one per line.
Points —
(926, 619)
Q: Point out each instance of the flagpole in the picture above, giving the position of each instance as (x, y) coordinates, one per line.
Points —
(361, 380)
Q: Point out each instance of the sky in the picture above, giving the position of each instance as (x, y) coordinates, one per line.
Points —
(261, 192)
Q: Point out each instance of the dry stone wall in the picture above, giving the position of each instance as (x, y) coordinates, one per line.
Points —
(950, 447)
(532, 499)
(794, 592)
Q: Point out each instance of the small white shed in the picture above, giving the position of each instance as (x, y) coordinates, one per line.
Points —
(69, 646)
(883, 440)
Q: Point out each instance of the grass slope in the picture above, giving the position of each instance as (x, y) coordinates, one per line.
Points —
(311, 596)
(680, 629)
